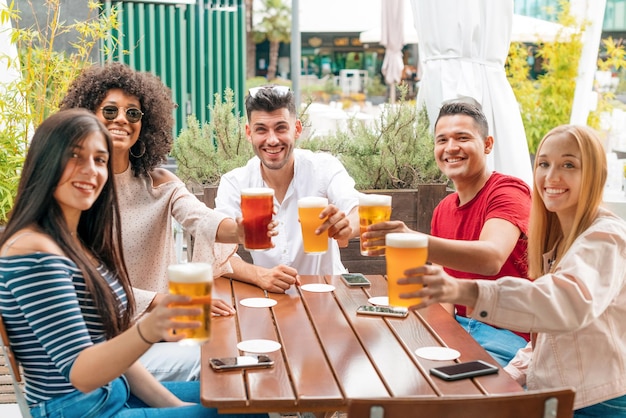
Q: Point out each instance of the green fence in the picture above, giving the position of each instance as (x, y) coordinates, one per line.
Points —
(197, 47)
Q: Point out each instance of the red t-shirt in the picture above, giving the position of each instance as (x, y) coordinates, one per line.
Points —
(502, 197)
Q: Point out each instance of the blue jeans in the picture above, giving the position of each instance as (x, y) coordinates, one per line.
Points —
(115, 400)
(172, 362)
(613, 408)
(501, 344)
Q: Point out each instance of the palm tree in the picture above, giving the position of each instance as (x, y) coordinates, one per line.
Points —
(275, 26)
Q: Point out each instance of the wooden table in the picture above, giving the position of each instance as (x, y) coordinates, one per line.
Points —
(330, 355)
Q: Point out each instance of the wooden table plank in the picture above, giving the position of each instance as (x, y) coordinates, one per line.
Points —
(393, 362)
(349, 361)
(311, 374)
(265, 386)
(228, 386)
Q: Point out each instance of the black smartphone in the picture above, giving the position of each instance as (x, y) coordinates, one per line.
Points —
(464, 370)
(241, 362)
(355, 279)
(382, 311)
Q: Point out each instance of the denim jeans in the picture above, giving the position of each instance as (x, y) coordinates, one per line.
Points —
(172, 362)
(501, 344)
(613, 408)
(115, 400)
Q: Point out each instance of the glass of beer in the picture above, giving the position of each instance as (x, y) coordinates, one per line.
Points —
(373, 208)
(309, 209)
(257, 209)
(404, 251)
(195, 280)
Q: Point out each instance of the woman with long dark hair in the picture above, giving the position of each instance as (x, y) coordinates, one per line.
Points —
(65, 296)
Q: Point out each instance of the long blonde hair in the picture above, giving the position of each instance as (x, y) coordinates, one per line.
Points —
(544, 228)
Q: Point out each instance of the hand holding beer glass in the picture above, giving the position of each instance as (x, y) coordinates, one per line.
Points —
(309, 209)
(257, 209)
(196, 281)
(404, 251)
(373, 208)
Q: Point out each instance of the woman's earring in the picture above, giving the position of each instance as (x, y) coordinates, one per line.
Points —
(143, 149)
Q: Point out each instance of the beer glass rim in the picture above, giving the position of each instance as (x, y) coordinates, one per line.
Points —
(257, 191)
(312, 202)
(190, 272)
(406, 240)
(374, 200)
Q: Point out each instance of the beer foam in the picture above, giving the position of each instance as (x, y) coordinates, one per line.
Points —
(257, 191)
(312, 202)
(190, 273)
(374, 200)
(406, 240)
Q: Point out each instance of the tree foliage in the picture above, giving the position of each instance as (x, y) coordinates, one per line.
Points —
(204, 152)
(45, 75)
(275, 27)
(546, 102)
(396, 153)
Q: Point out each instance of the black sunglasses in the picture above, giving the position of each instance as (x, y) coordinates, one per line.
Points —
(133, 115)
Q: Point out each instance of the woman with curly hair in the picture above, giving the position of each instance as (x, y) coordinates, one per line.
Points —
(136, 107)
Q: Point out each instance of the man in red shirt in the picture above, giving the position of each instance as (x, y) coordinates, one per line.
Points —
(478, 232)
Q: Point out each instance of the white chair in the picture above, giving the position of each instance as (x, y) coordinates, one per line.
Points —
(14, 370)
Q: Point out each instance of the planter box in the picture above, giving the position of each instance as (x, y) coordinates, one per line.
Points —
(412, 206)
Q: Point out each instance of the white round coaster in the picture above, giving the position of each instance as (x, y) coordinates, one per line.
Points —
(258, 302)
(437, 353)
(317, 287)
(379, 300)
(259, 346)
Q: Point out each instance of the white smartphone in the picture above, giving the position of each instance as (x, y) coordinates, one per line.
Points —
(464, 370)
(382, 311)
(355, 279)
(241, 362)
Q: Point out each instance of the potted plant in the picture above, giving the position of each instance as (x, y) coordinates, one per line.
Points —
(204, 152)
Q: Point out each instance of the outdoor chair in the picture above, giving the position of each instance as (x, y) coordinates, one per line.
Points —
(14, 370)
(532, 404)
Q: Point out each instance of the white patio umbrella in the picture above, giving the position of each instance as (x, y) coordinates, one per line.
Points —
(463, 46)
(525, 29)
(392, 38)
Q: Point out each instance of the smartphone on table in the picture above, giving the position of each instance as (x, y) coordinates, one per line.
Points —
(355, 279)
(464, 370)
(241, 362)
(382, 311)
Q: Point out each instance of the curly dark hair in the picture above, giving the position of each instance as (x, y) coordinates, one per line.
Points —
(91, 87)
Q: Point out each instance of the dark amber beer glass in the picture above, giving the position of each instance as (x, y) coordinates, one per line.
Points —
(257, 209)
(404, 251)
(194, 280)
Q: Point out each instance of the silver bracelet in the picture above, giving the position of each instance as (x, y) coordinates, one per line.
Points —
(141, 335)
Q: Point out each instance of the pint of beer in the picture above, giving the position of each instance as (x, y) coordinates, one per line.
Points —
(404, 251)
(257, 209)
(309, 209)
(195, 280)
(373, 208)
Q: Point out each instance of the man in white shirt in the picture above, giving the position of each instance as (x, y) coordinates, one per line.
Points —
(272, 129)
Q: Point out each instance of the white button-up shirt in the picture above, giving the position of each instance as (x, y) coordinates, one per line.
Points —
(315, 174)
